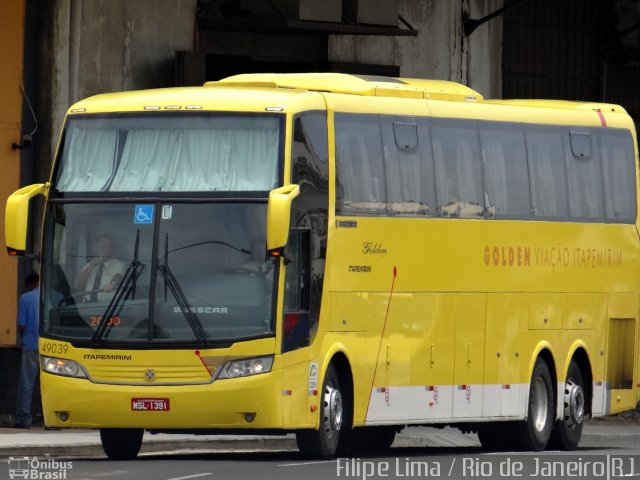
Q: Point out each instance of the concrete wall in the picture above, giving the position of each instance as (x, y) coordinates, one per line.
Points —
(113, 45)
(440, 50)
(101, 46)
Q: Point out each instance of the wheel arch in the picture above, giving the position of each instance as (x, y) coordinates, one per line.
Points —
(340, 361)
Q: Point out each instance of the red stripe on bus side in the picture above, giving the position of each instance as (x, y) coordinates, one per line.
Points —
(603, 121)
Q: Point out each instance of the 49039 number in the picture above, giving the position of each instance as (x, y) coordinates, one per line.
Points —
(54, 348)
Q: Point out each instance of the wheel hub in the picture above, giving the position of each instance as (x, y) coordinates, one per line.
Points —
(332, 410)
(573, 404)
(541, 405)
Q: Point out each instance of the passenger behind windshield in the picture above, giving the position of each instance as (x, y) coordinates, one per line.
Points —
(102, 274)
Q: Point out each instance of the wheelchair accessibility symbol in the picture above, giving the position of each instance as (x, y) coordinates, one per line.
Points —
(143, 214)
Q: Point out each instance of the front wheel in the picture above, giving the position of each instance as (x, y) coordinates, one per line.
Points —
(323, 443)
(567, 431)
(534, 433)
(121, 443)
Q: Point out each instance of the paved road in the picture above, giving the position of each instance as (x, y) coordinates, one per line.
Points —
(454, 463)
(609, 450)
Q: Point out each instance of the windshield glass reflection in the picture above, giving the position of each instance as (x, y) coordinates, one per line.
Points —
(209, 279)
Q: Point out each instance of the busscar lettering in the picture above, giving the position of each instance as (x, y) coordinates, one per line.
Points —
(210, 310)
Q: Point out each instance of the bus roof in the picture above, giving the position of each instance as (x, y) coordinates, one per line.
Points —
(300, 91)
(356, 85)
(379, 86)
(561, 104)
(198, 99)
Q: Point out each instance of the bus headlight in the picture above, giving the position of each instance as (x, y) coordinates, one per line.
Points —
(61, 366)
(246, 367)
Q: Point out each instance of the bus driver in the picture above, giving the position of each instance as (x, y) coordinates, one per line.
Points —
(102, 274)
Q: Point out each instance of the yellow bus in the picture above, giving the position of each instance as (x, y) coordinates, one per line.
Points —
(337, 256)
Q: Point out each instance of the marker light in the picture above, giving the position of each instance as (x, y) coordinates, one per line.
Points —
(61, 366)
(246, 367)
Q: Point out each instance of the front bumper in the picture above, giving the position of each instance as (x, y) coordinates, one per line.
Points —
(223, 404)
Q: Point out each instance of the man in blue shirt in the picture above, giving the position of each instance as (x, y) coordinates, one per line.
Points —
(28, 319)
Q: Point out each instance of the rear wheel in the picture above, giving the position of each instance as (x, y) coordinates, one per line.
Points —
(567, 431)
(323, 443)
(534, 433)
(121, 443)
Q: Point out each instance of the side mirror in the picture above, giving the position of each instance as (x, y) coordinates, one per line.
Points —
(16, 219)
(279, 215)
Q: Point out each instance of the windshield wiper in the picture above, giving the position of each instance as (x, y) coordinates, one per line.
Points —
(192, 318)
(171, 282)
(126, 286)
(211, 242)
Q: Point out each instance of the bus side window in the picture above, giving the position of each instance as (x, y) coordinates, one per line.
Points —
(359, 165)
(506, 177)
(584, 174)
(456, 151)
(616, 148)
(297, 282)
(546, 155)
(309, 169)
(408, 167)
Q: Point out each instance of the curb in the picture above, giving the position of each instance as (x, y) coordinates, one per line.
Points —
(154, 446)
(602, 436)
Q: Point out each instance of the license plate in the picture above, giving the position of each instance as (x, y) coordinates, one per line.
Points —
(150, 404)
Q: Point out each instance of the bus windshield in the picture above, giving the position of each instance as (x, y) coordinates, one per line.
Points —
(169, 153)
(158, 272)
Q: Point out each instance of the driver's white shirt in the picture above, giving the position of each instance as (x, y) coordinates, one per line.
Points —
(110, 268)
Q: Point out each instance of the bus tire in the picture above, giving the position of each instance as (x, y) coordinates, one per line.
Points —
(568, 430)
(323, 443)
(121, 443)
(533, 434)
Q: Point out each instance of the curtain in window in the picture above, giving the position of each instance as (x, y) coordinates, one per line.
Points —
(198, 160)
(89, 160)
(403, 175)
(495, 173)
(619, 177)
(549, 177)
(360, 169)
(585, 186)
(458, 174)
